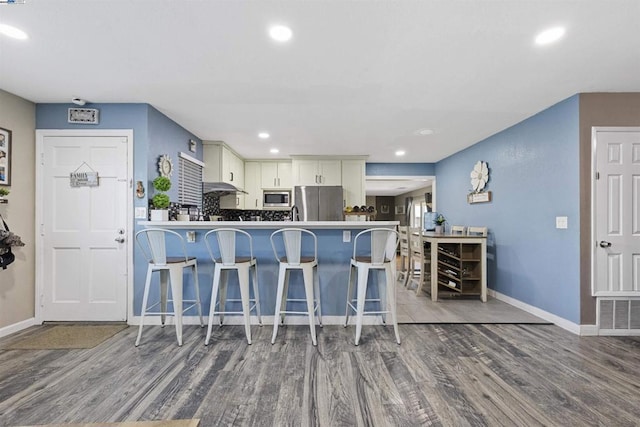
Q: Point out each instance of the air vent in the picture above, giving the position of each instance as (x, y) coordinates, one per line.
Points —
(83, 115)
(619, 316)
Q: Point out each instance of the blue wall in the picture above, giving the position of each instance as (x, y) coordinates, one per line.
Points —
(153, 134)
(534, 177)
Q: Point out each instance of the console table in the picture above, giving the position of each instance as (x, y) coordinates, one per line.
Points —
(459, 263)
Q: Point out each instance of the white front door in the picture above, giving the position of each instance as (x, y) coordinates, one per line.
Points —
(617, 212)
(83, 230)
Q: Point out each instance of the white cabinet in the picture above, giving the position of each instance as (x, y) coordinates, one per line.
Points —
(316, 172)
(353, 182)
(252, 185)
(276, 175)
(222, 165)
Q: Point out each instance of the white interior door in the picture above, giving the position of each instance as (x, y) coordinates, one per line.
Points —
(617, 212)
(84, 230)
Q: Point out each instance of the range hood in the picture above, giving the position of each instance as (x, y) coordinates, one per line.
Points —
(220, 188)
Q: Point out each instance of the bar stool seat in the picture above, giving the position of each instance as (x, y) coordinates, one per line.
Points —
(222, 244)
(153, 244)
(294, 259)
(381, 256)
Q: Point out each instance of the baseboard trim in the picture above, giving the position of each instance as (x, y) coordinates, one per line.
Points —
(17, 327)
(266, 320)
(559, 321)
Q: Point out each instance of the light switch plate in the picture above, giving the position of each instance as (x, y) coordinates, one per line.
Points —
(141, 213)
(562, 222)
(346, 236)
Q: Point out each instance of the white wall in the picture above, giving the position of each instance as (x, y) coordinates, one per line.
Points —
(17, 282)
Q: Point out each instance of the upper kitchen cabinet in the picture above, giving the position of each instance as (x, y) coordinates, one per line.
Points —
(222, 164)
(353, 182)
(316, 171)
(276, 175)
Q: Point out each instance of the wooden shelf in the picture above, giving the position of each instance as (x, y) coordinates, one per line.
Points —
(459, 267)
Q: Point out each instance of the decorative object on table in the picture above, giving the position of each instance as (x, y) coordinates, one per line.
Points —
(439, 220)
(160, 200)
(479, 178)
(165, 166)
(7, 241)
(5, 157)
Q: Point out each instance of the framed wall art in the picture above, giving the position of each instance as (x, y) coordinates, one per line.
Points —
(5, 157)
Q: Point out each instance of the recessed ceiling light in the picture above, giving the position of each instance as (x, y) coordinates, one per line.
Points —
(549, 36)
(263, 135)
(13, 32)
(274, 151)
(424, 131)
(280, 33)
(400, 153)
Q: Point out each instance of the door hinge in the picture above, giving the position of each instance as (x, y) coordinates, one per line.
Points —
(42, 159)
(597, 175)
(41, 229)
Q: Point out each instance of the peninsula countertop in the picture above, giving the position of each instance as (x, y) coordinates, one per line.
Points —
(264, 225)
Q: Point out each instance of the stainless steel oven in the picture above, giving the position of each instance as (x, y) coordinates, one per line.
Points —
(276, 199)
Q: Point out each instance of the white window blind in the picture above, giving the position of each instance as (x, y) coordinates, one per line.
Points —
(189, 180)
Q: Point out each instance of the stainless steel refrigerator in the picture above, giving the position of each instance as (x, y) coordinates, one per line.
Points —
(319, 203)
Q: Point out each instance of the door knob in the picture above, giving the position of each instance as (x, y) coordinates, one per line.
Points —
(604, 244)
(120, 239)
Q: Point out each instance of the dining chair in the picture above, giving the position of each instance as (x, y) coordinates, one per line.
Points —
(458, 229)
(296, 249)
(223, 246)
(480, 231)
(378, 255)
(405, 255)
(155, 243)
(420, 261)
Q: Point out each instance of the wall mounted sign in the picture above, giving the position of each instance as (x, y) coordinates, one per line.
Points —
(485, 196)
(83, 115)
(479, 178)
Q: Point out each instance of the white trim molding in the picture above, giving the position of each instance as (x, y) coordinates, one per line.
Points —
(17, 327)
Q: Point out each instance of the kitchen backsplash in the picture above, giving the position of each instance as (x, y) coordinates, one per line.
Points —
(211, 206)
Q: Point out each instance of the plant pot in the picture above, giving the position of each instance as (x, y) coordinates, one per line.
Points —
(439, 229)
(159, 215)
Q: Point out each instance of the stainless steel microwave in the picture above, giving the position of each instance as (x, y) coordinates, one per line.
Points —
(276, 199)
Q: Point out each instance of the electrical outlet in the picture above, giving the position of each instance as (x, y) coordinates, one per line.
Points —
(562, 222)
(346, 236)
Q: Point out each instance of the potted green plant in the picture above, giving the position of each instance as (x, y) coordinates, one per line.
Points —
(160, 199)
(3, 192)
(440, 220)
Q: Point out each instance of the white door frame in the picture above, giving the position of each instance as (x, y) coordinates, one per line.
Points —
(41, 134)
(594, 243)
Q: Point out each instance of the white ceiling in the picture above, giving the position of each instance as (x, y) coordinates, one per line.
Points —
(358, 77)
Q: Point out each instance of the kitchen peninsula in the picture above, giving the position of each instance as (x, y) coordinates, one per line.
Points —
(335, 248)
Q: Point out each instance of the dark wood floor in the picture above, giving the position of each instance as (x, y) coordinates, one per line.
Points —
(452, 375)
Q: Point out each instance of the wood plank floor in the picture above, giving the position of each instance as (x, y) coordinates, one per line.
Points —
(449, 375)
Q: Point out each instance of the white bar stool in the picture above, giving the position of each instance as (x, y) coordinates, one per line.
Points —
(291, 258)
(153, 244)
(226, 258)
(381, 256)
